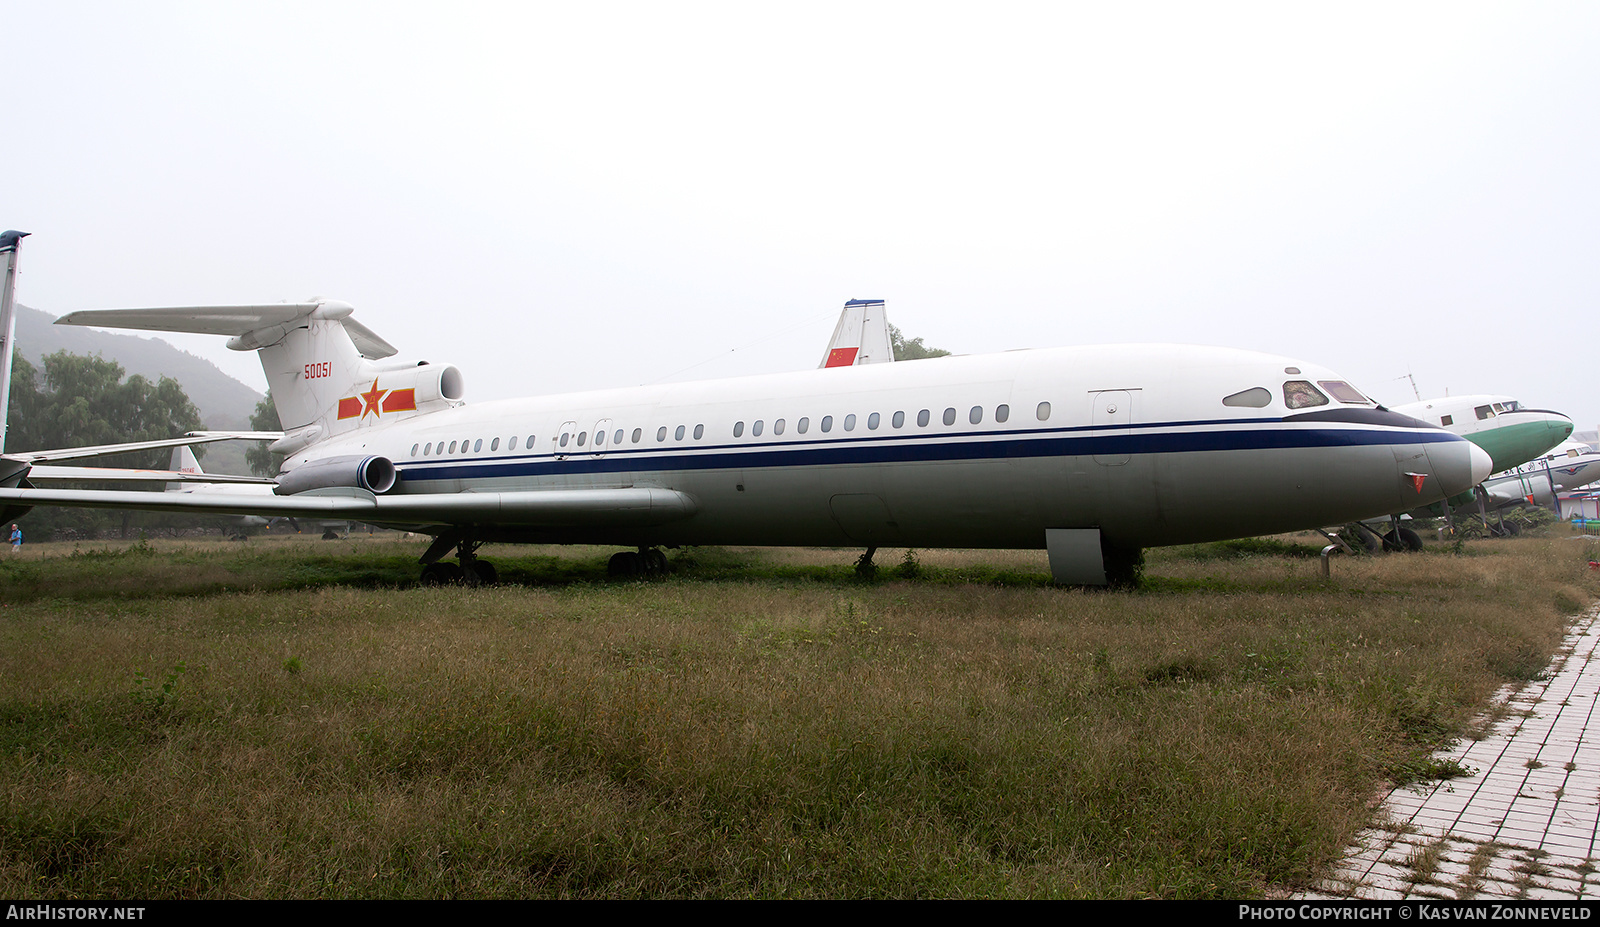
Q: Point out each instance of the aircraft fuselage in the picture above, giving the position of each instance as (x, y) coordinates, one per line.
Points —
(985, 451)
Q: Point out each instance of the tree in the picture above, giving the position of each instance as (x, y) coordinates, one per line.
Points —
(261, 460)
(913, 349)
(81, 400)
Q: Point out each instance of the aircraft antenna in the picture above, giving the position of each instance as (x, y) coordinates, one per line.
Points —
(1414, 390)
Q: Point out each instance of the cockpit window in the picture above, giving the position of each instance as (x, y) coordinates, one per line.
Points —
(1344, 392)
(1255, 398)
(1484, 412)
(1300, 394)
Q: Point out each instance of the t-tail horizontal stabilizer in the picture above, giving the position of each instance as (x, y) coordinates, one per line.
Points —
(322, 366)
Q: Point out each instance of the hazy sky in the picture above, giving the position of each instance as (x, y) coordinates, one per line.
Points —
(566, 195)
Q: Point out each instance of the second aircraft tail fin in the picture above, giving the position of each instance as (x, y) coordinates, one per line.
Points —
(861, 337)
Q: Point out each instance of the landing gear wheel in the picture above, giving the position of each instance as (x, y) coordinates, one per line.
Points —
(485, 573)
(625, 565)
(655, 562)
(441, 574)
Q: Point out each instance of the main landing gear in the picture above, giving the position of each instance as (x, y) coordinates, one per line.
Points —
(647, 562)
(468, 570)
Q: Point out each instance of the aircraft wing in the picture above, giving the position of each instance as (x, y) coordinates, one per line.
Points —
(49, 474)
(100, 450)
(558, 508)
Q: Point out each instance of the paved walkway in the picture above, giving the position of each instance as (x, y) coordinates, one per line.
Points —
(1524, 826)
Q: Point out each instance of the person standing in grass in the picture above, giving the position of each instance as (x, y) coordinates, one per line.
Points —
(16, 539)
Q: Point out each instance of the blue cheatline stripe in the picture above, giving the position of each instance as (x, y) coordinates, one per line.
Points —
(932, 448)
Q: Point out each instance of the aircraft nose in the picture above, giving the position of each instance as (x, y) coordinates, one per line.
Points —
(1482, 464)
(1459, 465)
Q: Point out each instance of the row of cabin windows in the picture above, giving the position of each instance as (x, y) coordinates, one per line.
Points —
(475, 446)
(469, 446)
(1002, 414)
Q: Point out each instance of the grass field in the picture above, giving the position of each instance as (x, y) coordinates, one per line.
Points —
(295, 719)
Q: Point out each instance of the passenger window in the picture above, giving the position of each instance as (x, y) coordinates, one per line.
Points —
(494, 445)
(738, 429)
(975, 415)
(827, 423)
(1299, 394)
(922, 419)
(661, 433)
(582, 437)
(1002, 413)
(872, 422)
(528, 443)
(699, 432)
(899, 420)
(637, 434)
(755, 430)
(850, 422)
(777, 427)
(1043, 412)
(950, 416)
(414, 448)
(1447, 420)
(512, 444)
(803, 425)
(677, 435)
(599, 438)
(452, 447)
(617, 438)
(477, 446)
(1258, 397)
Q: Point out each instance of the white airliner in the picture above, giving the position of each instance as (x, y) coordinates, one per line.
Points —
(1089, 452)
(1508, 430)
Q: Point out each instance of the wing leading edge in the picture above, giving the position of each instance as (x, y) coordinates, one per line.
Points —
(564, 508)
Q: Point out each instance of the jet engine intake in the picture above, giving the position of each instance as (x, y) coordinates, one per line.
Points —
(374, 474)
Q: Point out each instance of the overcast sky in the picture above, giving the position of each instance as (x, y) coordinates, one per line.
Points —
(560, 196)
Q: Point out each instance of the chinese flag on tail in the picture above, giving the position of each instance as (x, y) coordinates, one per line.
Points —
(842, 357)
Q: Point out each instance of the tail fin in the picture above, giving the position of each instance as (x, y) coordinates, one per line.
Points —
(861, 337)
(321, 365)
(9, 242)
(183, 461)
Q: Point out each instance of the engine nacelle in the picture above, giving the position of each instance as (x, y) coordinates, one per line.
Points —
(374, 474)
(415, 387)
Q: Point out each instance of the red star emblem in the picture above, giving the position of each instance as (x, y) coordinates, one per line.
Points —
(372, 398)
